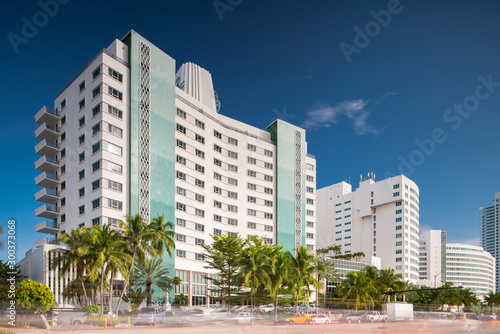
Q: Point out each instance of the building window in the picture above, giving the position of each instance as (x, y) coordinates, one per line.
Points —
(63, 218)
(81, 174)
(180, 222)
(63, 153)
(252, 225)
(181, 113)
(252, 173)
(81, 139)
(310, 224)
(181, 175)
(396, 186)
(269, 241)
(217, 190)
(63, 120)
(217, 134)
(181, 191)
(181, 160)
(232, 221)
(181, 207)
(96, 128)
(114, 204)
(217, 148)
(115, 149)
(96, 203)
(180, 253)
(310, 201)
(200, 138)
(232, 194)
(399, 227)
(115, 93)
(199, 241)
(232, 168)
(217, 231)
(181, 144)
(63, 185)
(310, 190)
(252, 186)
(200, 212)
(63, 136)
(252, 199)
(96, 221)
(268, 153)
(96, 91)
(232, 154)
(115, 112)
(81, 192)
(217, 218)
(251, 147)
(200, 124)
(268, 203)
(268, 190)
(81, 156)
(232, 208)
(268, 178)
(268, 215)
(232, 181)
(82, 86)
(113, 185)
(81, 104)
(268, 165)
(200, 183)
(252, 212)
(115, 74)
(181, 128)
(232, 141)
(399, 203)
(395, 194)
(310, 236)
(115, 130)
(81, 122)
(199, 227)
(96, 73)
(198, 257)
(268, 228)
(201, 154)
(81, 210)
(199, 198)
(252, 160)
(63, 201)
(96, 184)
(217, 162)
(63, 104)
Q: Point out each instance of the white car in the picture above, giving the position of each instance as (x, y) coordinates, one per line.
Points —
(320, 319)
(269, 308)
(150, 316)
(244, 318)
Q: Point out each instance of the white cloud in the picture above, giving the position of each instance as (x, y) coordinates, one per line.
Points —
(356, 111)
(468, 241)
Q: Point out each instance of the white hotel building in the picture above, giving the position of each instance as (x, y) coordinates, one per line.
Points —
(129, 134)
(490, 232)
(380, 219)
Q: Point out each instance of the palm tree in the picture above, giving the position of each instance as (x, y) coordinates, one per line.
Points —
(72, 257)
(253, 257)
(390, 281)
(336, 249)
(326, 272)
(151, 271)
(372, 274)
(107, 248)
(176, 281)
(278, 269)
(303, 270)
(138, 236)
(164, 235)
(356, 289)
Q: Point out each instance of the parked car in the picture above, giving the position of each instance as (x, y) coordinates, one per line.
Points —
(320, 319)
(244, 318)
(374, 316)
(352, 317)
(269, 308)
(295, 318)
(150, 315)
(79, 320)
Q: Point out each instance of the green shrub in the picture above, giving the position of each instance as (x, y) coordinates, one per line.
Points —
(91, 309)
(100, 319)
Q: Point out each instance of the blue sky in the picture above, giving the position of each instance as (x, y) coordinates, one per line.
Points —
(364, 112)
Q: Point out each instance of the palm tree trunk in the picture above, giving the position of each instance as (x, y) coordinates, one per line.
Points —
(84, 291)
(251, 296)
(111, 293)
(276, 308)
(125, 283)
(102, 291)
(148, 294)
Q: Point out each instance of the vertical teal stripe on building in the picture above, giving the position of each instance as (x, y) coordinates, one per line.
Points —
(162, 135)
(284, 135)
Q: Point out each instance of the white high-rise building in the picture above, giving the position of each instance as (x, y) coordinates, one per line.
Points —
(129, 134)
(379, 219)
(490, 232)
(471, 267)
(433, 257)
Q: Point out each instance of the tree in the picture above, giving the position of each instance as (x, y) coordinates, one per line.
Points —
(72, 257)
(357, 290)
(303, 269)
(277, 269)
(6, 274)
(252, 261)
(223, 255)
(389, 281)
(33, 297)
(138, 236)
(151, 271)
(176, 281)
(326, 272)
(135, 298)
(107, 248)
(164, 238)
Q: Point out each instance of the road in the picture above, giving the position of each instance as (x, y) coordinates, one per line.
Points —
(418, 327)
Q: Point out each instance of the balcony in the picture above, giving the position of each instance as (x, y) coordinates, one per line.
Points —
(45, 131)
(46, 148)
(47, 195)
(46, 164)
(47, 227)
(47, 211)
(47, 115)
(45, 240)
(46, 180)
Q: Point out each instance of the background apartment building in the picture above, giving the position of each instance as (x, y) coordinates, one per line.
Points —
(471, 267)
(129, 134)
(380, 219)
(432, 259)
(489, 232)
